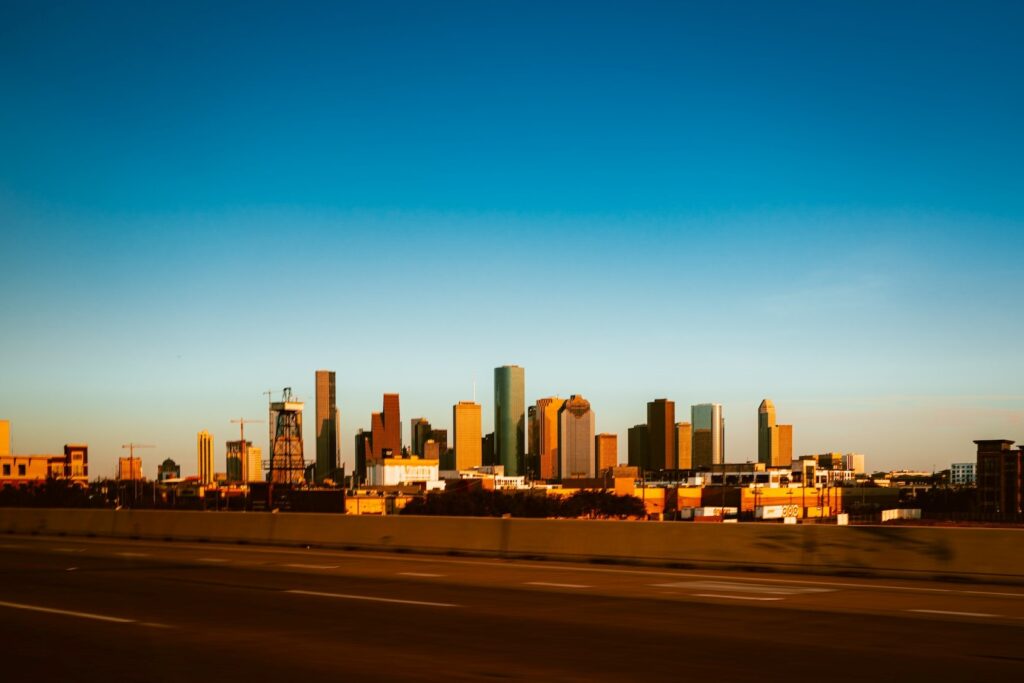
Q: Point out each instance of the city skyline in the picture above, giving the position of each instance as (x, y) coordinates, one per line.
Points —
(817, 204)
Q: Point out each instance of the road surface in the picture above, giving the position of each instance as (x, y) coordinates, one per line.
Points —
(110, 610)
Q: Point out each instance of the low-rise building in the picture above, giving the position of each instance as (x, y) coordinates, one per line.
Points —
(962, 474)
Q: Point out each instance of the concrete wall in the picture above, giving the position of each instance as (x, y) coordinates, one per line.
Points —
(964, 553)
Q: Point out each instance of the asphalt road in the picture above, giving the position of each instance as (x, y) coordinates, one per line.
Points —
(87, 609)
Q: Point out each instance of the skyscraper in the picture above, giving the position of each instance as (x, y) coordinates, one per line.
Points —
(363, 452)
(466, 422)
(5, 437)
(204, 446)
(636, 443)
(547, 436)
(774, 442)
(419, 432)
(607, 450)
(253, 470)
(576, 439)
(237, 452)
(327, 427)
(708, 434)
(532, 443)
(510, 418)
(661, 444)
(684, 445)
(387, 428)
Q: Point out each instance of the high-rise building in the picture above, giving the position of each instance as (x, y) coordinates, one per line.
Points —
(637, 447)
(328, 435)
(387, 428)
(129, 469)
(431, 450)
(363, 452)
(1000, 477)
(661, 438)
(204, 446)
(547, 436)
(237, 454)
(287, 457)
(488, 456)
(510, 418)
(606, 446)
(253, 470)
(774, 441)
(767, 437)
(76, 461)
(708, 435)
(466, 424)
(576, 439)
(684, 446)
(785, 458)
(419, 432)
(5, 437)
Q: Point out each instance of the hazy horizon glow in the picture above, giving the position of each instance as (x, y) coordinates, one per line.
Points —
(820, 204)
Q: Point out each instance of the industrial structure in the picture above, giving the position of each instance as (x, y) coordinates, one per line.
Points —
(287, 464)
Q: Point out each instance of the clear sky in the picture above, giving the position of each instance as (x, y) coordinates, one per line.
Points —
(820, 202)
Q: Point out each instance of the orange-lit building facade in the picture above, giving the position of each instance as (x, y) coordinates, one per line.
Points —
(547, 436)
(466, 420)
(684, 445)
(606, 446)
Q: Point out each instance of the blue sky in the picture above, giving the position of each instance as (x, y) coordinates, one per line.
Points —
(818, 202)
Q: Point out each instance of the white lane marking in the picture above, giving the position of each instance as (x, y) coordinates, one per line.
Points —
(211, 559)
(956, 614)
(426, 574)
(345, 596)
(733, 597)
(69, 613)
(133, 554)
(311, 566)
(556, 585)
(71, 569)
(732, 586)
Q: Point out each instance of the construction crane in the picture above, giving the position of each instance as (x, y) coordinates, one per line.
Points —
(131, 462)
(241, 422)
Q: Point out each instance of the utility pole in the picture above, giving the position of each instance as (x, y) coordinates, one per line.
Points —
(131, 461)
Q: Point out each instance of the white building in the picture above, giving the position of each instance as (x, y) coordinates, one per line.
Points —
(398, 471)
(962, 474)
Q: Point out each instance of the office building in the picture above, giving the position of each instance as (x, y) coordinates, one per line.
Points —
(855, 462)
(708, 435)
(237, 454)
(684, 446)
(999, 472)
(774, 442)
(328, 435)
(204, 446)
(547, 436)
(488, 454)
(661, 437)
(606, 447)
(510, 418)
(5, 437)
(445, 455)
(636, 445)
(129, 468)
(576, 439)
(363, 452)
(76, 462)
(419, 432)
(432, 450)
(287, 455)
(466, 424)
(253, 465)
(962, 474)
(386, 428)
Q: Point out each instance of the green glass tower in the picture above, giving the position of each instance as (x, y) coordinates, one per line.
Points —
(510, 418)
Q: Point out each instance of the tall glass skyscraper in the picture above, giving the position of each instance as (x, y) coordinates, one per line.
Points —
(576, 439)
(708, 434)
(328, 448)
(510, 418)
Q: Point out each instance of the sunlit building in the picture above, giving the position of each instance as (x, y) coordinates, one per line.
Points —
(661, 438)
(606, 447)
(774, 441)
(204, 447)
(253, 470)
(708, 434)
(237, 452)
(386, 428)
(466, 423)
(547, 436)
(76, 462)
(419, 432)
(129, 468)
(510, 418)
(5, 437)
(576, 439)
(328, 445)
(684, 445)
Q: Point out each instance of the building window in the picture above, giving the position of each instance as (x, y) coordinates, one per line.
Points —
(21, 470)
(7, 470)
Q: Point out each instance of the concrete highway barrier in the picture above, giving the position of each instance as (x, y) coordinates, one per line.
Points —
(978, 554)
